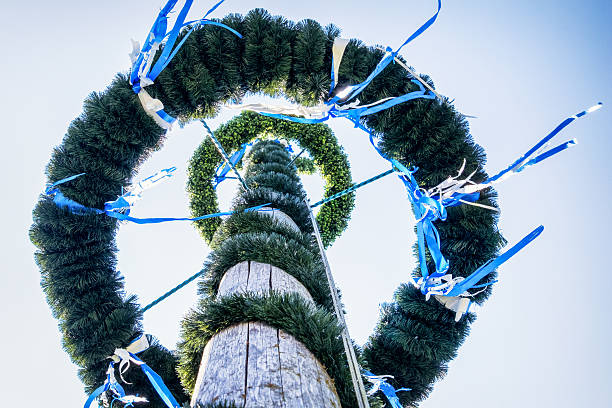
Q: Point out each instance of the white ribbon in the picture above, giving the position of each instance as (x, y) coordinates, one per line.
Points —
(136, 190)
(338, 52)
(414, 74)
(149, 104)
(452, 185)
(123, 357)
(319, 111)
(151, 107)
(457, 304)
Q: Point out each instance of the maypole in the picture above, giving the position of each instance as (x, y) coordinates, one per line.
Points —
(256, 363)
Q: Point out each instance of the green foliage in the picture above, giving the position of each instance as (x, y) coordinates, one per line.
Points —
(319, 142)
(252, 222)
(305, 165)
(76, 253)
(314, 327)
(272, 248)
(414, 339)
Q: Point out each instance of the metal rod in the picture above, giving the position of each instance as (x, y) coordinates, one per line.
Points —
(224, 154)
(360, 392)
(298, 155)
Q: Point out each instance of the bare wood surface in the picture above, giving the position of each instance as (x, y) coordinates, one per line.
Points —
(284, 283)
(264, 386)
(223, 370)
(234, 280)
(259, 278)
(255, 365)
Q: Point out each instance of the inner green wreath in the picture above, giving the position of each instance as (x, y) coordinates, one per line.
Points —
(318, 140)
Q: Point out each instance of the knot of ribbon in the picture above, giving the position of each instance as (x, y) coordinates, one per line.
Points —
(124, 357)
(144, 72)
(380, 384)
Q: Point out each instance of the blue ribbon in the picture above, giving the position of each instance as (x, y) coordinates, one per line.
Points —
(118, 393)
(520, 164)
(142, 67)
(224, 168)
(476, 276)
(335, 103)
(110, 384)
(157, 383)
(355, 90)
(355, 114)
(120, 208)
(426, 210)
(380, 384)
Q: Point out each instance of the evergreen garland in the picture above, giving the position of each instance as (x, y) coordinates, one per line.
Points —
(414, 339)
(315, 327)
(77, 253)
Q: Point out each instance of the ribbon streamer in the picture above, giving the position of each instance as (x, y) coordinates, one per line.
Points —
(120, 208)
(144, 72)
(338, 105)
(380, 384)
(125, 357)
(452, 190)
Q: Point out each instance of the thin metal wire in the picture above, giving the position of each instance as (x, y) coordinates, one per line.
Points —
(354, 368)
(224, 155)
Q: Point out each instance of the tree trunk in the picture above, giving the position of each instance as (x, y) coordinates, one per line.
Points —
(253, 364)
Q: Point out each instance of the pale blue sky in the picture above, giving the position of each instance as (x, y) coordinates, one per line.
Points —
(521, 67)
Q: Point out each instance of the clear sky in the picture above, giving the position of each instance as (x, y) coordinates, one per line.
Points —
(542, 340)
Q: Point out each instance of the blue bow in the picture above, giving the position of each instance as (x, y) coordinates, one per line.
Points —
(124, 357)
(144, 72)
(380, 384)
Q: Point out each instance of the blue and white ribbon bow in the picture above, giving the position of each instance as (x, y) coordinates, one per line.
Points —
(427, 210)
(338, 104)
(380, 384)
(144, 72)
(124, 357)
(120, 208)
(430, 205)
(127, 200)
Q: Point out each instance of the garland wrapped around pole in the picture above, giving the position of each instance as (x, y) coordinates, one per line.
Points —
(216, 62)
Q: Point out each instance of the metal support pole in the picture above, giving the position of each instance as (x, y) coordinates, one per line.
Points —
(360, 392)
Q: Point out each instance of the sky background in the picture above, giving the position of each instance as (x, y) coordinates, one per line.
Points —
(521, 67)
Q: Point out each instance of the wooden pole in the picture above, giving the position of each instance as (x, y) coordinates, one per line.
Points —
(253, 364)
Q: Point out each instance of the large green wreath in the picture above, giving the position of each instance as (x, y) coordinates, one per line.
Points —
(77, 255)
